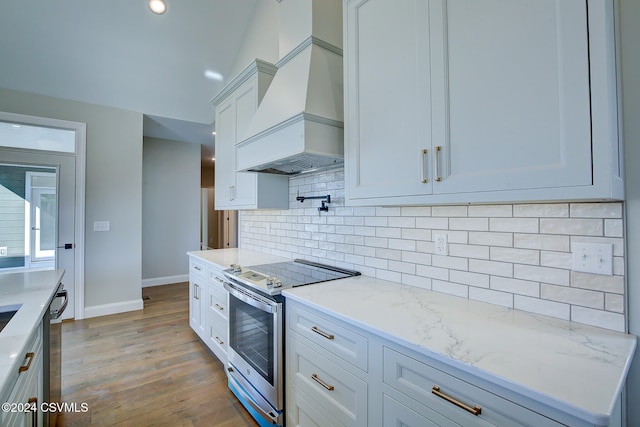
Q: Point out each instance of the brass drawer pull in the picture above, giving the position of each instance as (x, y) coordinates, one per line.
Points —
(219, 279)
(26, 367)
(438, 149)
(219, 341)
(423, 154)
(221, 308)
(476, 410)
(322, 383)
(324, 334)
(197, 268)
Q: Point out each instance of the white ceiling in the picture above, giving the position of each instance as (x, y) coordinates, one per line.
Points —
(118, 53)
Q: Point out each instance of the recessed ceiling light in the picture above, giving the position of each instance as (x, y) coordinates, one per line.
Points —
(213, 133)
(213, 158)
(157, 6)
(213, 75)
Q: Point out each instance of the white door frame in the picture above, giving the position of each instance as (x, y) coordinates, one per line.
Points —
(80, 155)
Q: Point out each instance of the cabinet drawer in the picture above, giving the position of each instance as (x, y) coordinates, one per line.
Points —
(336, 338)
(218, 330)
(304, 412)
(215, 275)
(418, 380)
(337, 391)
(395, 413)
(217, 301)
(197, 267)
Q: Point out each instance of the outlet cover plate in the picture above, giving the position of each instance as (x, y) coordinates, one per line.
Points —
(440, 244)
(594, 258)
(101, 226)
(3, 251)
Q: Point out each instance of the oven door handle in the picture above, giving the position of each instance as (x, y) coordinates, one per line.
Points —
(254, 302)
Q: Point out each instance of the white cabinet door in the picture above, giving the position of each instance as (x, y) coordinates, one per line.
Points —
(510, 101)
(235, 107)
(458, 101)
(225, 174)
(387, 98)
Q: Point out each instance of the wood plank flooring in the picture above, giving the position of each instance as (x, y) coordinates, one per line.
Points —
(145, 368)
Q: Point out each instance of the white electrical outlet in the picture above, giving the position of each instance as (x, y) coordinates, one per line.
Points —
(593, 257)
(3, 251)
(440, 244)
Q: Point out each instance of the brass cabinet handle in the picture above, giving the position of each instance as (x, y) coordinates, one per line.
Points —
(437, 156)
(221, 308)
(324, 334)
(195, 291)
(219, 340)
(423, 155)
(26, 367)
(322, 383)
(219, 279)
(476, 410)
(197, 268)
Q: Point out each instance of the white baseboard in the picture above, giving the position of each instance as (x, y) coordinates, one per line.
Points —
(167, 280)
(113, 308)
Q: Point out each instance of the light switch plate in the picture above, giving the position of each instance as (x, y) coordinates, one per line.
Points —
(101, 226)
(594, 258)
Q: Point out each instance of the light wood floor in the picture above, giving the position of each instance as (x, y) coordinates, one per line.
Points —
(145, 368)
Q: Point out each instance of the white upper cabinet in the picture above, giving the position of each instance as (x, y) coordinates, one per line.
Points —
(456, 101)
(235, 106)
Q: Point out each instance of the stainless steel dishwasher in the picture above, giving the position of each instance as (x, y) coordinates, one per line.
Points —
(52, 352)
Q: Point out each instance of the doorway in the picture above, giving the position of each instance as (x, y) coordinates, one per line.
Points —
(42, 179)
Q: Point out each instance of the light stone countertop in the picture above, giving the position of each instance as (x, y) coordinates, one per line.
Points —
(34, 290)
(574, 368)
(225, 257)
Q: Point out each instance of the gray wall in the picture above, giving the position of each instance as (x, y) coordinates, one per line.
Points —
(170, 207)
(629, 14)
(261, 39)
(113, 191)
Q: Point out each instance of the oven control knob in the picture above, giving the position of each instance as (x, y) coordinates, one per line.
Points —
(236, 268)
(270, 281)
(277, 284)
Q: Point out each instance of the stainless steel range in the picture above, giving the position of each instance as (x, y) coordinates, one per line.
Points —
(256, 319)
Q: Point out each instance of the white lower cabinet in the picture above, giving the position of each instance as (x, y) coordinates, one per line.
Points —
(208, 306)
(27, 391)
(217, 310)
(340, 375)
(197, 289)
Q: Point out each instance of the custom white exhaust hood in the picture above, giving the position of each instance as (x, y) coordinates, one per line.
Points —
(298, 126)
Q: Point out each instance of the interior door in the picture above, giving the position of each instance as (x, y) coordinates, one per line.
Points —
(65, 202)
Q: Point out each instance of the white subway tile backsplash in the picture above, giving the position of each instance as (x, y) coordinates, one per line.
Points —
(491, 238)
(572, 226)
(542, 210)
(515, 286)
(572, 296)
(510, 255)
(450, 288)
(541, 306)
(504, 299)
(599, 318)
(471, 224)
(514, 225)
(596, 210)
(467, 278)
(494, 211)
(547, 242)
